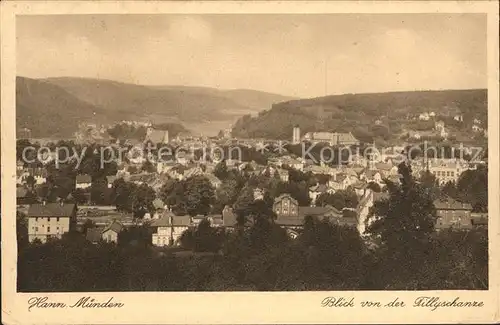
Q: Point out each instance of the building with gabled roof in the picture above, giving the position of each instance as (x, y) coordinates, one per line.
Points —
(111, 232)
(452, 213)
(169, 228)
(157, 136)
(292, 216)
(50, 220)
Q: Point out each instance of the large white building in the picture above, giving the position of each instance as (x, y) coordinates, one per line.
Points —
(332, 138)
(169, 229)
(50, 220)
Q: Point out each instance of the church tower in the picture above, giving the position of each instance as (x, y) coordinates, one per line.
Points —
(296, 135)
(165, 137)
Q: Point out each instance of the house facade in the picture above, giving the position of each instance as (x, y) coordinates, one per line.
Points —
(332, 138)
(50, 220)
(446, 170)
(169, 229)
(291, 216)
(111, 232)
(83, 181)
(452, 213)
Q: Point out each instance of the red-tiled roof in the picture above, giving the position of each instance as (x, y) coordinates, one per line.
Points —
(359, 185)
(479, 221)
(290, 221)
(114, 226)
(340, 177)
(83, 179)
(110, 179)
(317, 211)
(451, 204)
(51, 210)
(175, 221)
(283, 196)
(347, 137)
(383, 166)
(378, 196)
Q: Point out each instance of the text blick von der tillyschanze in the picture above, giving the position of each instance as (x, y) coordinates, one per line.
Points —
(430, 302)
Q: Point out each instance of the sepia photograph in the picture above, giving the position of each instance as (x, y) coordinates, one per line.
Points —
(203, 152)
(177, 152)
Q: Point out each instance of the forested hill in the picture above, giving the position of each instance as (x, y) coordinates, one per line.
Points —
(50, 111)
(53, 107)
(368, 116)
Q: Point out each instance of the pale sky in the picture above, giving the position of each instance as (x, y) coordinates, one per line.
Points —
(295, 55)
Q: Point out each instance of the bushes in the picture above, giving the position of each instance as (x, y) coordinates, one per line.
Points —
(323, 257)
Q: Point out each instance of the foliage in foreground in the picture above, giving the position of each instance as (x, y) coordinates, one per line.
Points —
(324, 257)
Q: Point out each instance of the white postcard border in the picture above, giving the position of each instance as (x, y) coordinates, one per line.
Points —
(241, 307)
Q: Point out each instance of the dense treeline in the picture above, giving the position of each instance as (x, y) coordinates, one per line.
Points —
(370, 117)
(402, 251)
(324, 257)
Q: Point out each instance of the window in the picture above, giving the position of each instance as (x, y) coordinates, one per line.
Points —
(48, 219)
(48, 229)
(36, 228)
(452, 174)
(57, 219)
(36, 218)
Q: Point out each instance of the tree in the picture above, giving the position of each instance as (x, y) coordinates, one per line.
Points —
(227, 193)
(243, 205)
(80, 196)
(450, 189)
(298, 190)
(173, 195)
(142, 200)
(30, 181)
(220, 170)
(136, 236)
(404, 222)
(265, 234)
(430, 183)
(87, 225)
(339, 200)
(206, 238)
(148, 167)
(45, 192)
(99, 192)
(186, 239)
(375, 187)
(122, 195)
(22, 229)
(200, 195)
(329, 246)
(472, 187)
